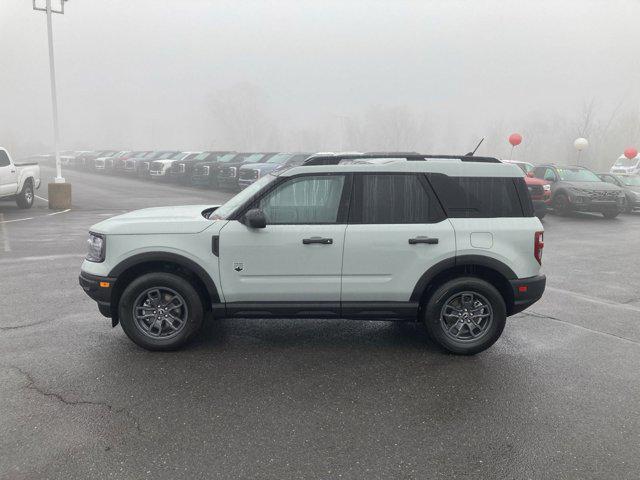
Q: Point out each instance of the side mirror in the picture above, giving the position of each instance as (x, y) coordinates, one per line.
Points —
(255, 218)
(530, 175)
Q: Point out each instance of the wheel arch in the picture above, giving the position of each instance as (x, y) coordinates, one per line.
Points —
(494, 271)
(142, 263)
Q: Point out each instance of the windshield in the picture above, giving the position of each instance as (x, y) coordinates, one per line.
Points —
(627, 162)
(577, 175)
(279, 158)
(227, 157)
(202, 156)
(228, 208)
(630, 181)
(253, 158)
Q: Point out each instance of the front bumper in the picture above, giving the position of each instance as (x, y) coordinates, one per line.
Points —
(526, 292)
(595, 206)
(99, 289)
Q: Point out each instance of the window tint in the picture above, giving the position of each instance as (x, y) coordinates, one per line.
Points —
(482, 197)
(392, 199)
(304, 200)
(4, 159)
(549, 175)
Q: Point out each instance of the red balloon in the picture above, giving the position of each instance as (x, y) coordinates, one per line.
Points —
(631, 153)
(515, 139)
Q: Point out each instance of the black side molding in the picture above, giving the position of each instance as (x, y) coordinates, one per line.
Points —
(215, 245)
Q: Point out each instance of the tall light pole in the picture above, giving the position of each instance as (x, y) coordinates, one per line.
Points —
(58, 197)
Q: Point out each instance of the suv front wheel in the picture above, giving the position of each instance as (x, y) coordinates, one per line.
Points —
(465, 315)
(160, 311)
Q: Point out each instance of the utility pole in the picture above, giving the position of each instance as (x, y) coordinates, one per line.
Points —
(59, 196)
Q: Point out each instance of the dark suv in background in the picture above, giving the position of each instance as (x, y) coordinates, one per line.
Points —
(205, 173)
(579, 189)
(228, 172)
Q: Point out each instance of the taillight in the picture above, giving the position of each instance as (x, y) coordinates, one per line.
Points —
(538, 245)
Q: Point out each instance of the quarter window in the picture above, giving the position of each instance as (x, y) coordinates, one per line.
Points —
(392, 199)
(304, 200)
(482, 197)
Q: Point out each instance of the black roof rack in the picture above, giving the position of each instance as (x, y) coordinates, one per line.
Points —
(336, 159)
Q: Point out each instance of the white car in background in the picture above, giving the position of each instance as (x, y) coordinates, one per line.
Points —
(626, 166)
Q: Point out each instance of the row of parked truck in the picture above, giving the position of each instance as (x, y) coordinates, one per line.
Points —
(213, 169)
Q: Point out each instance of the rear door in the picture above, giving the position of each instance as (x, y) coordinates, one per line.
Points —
(8, 175)
(396, 231)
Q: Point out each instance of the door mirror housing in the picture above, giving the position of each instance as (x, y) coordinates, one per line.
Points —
(255, 218)
(530, 175)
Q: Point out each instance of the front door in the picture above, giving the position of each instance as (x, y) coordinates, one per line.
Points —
(296, 259)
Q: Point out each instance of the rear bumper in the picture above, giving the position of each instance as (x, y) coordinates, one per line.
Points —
(99, 289)
(527, 291)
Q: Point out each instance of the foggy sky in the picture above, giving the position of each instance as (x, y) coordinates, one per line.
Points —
(147, 73)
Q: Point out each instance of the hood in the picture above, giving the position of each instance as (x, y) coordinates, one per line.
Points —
(594, 186)
(535, 181)
(262, 167)
(157, 220)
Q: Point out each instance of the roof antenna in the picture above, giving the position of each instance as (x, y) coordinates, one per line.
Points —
(470, 154)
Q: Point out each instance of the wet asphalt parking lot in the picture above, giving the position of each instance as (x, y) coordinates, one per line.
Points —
(558, 396)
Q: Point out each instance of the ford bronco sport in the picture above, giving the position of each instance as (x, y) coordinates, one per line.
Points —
(451, 242)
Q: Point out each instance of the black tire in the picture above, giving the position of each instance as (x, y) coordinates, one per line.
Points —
(26, 196)
(193, 313)
(435, 321)
(561, 204)
(611, 213)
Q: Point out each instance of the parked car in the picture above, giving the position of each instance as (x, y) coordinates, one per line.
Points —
(18, 180)
(142, 165)
(89, 161)
(626, 166)
(540, 190)
(251, 172)
(158, 169)
(630, 185)
(182, 171)
(205, 173)
(228, 172)
(306, 242)
(579, 189)
(119, 165)
(107, 163)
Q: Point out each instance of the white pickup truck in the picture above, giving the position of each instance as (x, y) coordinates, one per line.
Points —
(18, 180)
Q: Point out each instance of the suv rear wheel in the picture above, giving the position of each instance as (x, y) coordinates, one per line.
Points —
(160, 311)
(465, 315)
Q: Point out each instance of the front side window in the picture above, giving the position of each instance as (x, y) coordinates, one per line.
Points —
(227, 209)
(631, 181)
(304, 200)
(4, 159)
(549, 175)
(392, 199)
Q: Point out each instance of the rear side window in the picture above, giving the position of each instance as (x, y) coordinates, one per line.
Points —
(393, 199)
(482, 197)
(4, 159)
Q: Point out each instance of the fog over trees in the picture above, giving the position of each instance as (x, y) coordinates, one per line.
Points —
(433, 76)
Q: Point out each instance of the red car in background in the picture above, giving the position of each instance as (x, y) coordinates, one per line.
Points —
(540, 190)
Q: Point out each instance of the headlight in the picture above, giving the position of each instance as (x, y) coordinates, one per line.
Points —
(96, 247)
(546, 188)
